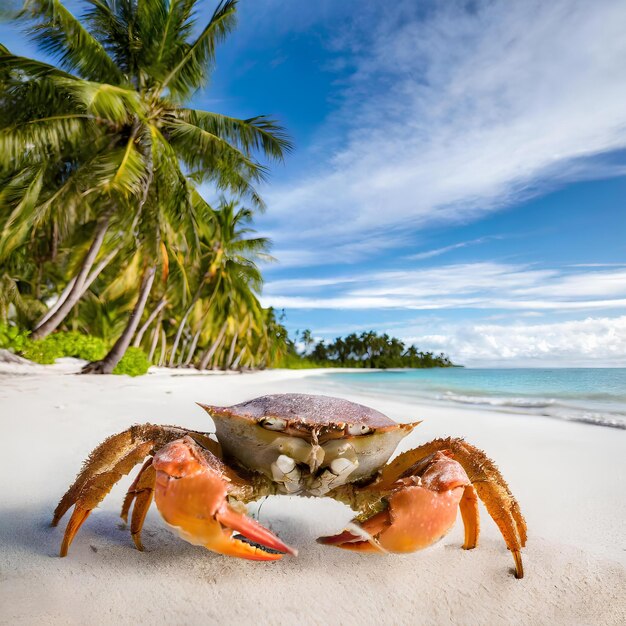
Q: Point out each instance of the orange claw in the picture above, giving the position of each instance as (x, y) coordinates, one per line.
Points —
(191, 493)
(421, 510)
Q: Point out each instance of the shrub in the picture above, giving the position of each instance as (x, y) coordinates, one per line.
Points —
(46, 351)
(61, 344)
(12, 338)
(134, 363)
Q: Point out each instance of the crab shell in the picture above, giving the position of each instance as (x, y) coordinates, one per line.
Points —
(311, 430)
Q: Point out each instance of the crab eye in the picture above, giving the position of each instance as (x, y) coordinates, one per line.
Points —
(273, 423)
(359, 429)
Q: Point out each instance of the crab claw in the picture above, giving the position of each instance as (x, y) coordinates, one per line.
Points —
(421, 510)
(191, 495)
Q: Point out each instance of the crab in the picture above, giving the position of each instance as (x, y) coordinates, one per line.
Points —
(296, 444)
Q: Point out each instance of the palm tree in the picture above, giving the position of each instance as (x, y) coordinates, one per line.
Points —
(111, 144)
(307, 340)
(225, 250)
(233, 302)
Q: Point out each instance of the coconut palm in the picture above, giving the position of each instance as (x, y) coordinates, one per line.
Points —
(226, 251)
(231, 301)
(109, 141)
(307, 340)
(373, 350)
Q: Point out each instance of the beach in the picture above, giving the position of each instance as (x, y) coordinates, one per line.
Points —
(568, 477)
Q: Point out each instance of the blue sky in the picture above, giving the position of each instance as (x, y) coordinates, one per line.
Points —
(459, 177)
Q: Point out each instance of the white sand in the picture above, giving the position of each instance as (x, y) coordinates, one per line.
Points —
(569, 478)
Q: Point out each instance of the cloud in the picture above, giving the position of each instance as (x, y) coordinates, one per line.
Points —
(332, 248)
(481, 285)
(457, 112)
(598, 265)
(429, 254)
(586, 342)
(297, 285)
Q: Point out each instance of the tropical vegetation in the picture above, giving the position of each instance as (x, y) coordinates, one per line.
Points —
(105, 229)
(109, 248)
(367, 350)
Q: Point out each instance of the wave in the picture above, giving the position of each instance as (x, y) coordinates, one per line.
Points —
(549, 407)
(599, 409)
(523, 403)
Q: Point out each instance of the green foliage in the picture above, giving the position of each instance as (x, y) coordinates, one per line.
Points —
(69, 344)
(112, 145)
(367, 350)
(12, 338)
(57, 345)
(133, 363)
(293, 361)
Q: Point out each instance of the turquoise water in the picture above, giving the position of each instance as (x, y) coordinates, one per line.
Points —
(596, 396)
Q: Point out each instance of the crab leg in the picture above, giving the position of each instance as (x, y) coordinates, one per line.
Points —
(471, 517)
(192, 489)
(96, 488)
(131, 494)
(141, 492)
(113, 458)
(101, 460)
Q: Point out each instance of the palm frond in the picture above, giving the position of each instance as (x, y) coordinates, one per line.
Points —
(175, 27)
(111, 102)
(29, 67)
(58, 33)
(50, 136)
(191, 69)
(13, 232)
(259, 133)
(122, 169)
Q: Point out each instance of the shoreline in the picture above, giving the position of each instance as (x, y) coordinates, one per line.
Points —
(566, 476)
(585, 410)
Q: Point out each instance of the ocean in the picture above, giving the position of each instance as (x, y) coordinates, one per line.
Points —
(590, 395)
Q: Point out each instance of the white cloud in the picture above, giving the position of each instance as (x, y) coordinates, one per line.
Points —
(459, 113)
(598, 265)
(332, 247)
(485, 285)
(586, 342)
(297, 285)
(429, 254)
(512, 338)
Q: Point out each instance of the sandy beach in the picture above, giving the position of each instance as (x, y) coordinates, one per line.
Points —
(569, 479)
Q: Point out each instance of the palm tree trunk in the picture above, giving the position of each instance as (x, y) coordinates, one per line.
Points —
(163, 347)
(218, 356)
(209, 275)
(140, 333)
(206, 357)
(182, 352)
(192, 348)
(45, 328)
(183, 323)
(231, 352)
(155, 338)
(238, 359)
(95, 272)
(107, 365)
(60, 300)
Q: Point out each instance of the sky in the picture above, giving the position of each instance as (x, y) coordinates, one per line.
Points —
(459, 172)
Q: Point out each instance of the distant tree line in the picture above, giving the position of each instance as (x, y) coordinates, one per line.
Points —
(367, 350)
